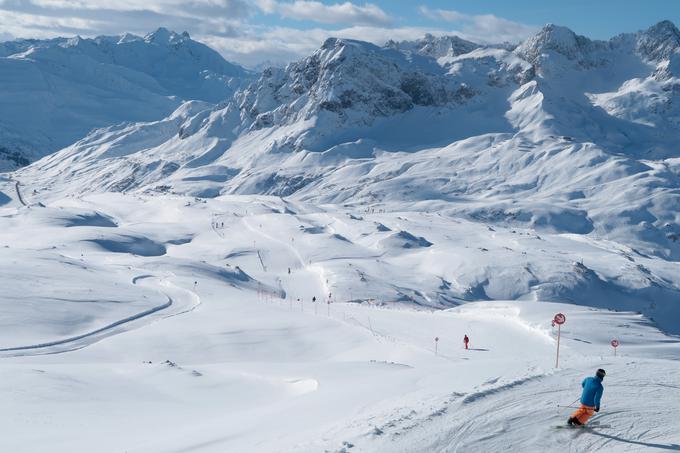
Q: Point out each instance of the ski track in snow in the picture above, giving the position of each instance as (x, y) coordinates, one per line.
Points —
(516, 414)
(19, 197)
(506, 415)
(115, 328)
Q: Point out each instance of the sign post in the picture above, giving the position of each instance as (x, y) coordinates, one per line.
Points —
(559, 319)
(436, 342)
(615, 344)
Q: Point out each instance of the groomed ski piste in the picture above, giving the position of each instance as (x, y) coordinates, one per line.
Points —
(140, 323)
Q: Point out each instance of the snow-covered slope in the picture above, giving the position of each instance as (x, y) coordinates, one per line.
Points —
(53, 92)
(562, 133)
(168, 323)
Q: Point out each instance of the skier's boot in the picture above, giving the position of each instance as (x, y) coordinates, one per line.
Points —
(573, 421)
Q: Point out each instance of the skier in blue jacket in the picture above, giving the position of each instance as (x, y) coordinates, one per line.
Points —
(590, 399)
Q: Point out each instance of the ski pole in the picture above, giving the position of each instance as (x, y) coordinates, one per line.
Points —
(570, 404)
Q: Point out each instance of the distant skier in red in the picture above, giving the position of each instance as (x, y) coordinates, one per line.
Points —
(466, 340)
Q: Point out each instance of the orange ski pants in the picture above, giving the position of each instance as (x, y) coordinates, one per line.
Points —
(583, 413)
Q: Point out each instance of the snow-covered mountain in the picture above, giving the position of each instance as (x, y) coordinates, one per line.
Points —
(562, 135)
(310, 252)
(53, 92)
(435, 46)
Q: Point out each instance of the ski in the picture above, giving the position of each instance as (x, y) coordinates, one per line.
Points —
(588, 426)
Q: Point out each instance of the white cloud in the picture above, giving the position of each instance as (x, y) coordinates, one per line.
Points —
(483, 27)
(336, 13)
(49, 18)
(441, 14)
(226, 25)
(192, 8)
(230, 26)
(283, 44)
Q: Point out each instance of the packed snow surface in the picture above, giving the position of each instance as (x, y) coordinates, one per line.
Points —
(167, 323)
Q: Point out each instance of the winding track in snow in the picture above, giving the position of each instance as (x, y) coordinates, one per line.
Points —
(295, 251)
(71, 343)
(259, 231)
(18, 191)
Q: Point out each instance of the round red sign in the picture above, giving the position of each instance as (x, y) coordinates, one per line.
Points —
(559, 318)
(615, 343)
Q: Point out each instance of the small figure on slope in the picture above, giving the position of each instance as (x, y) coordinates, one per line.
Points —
(466, 340)
(590, 399)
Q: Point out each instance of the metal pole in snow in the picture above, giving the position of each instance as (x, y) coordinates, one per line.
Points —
(557, 360)
(559, 319)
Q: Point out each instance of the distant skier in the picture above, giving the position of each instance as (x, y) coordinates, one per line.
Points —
(590, 399)
(466, 340)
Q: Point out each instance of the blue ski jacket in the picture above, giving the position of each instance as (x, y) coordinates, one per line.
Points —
(592, 391)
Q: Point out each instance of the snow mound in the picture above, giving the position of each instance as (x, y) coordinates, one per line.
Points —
(135, 245)
(405, 240)
(382, 228)
(93, 219)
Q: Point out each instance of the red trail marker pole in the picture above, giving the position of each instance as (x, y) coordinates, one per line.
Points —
(559, 319)
(615, 344)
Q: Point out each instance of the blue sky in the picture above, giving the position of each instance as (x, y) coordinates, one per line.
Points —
(600, 19)
(254, 31)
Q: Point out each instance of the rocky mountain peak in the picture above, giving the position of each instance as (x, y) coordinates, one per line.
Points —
(435, 46)
(659, 41)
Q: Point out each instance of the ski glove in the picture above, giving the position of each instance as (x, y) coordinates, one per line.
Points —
(597, 409)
